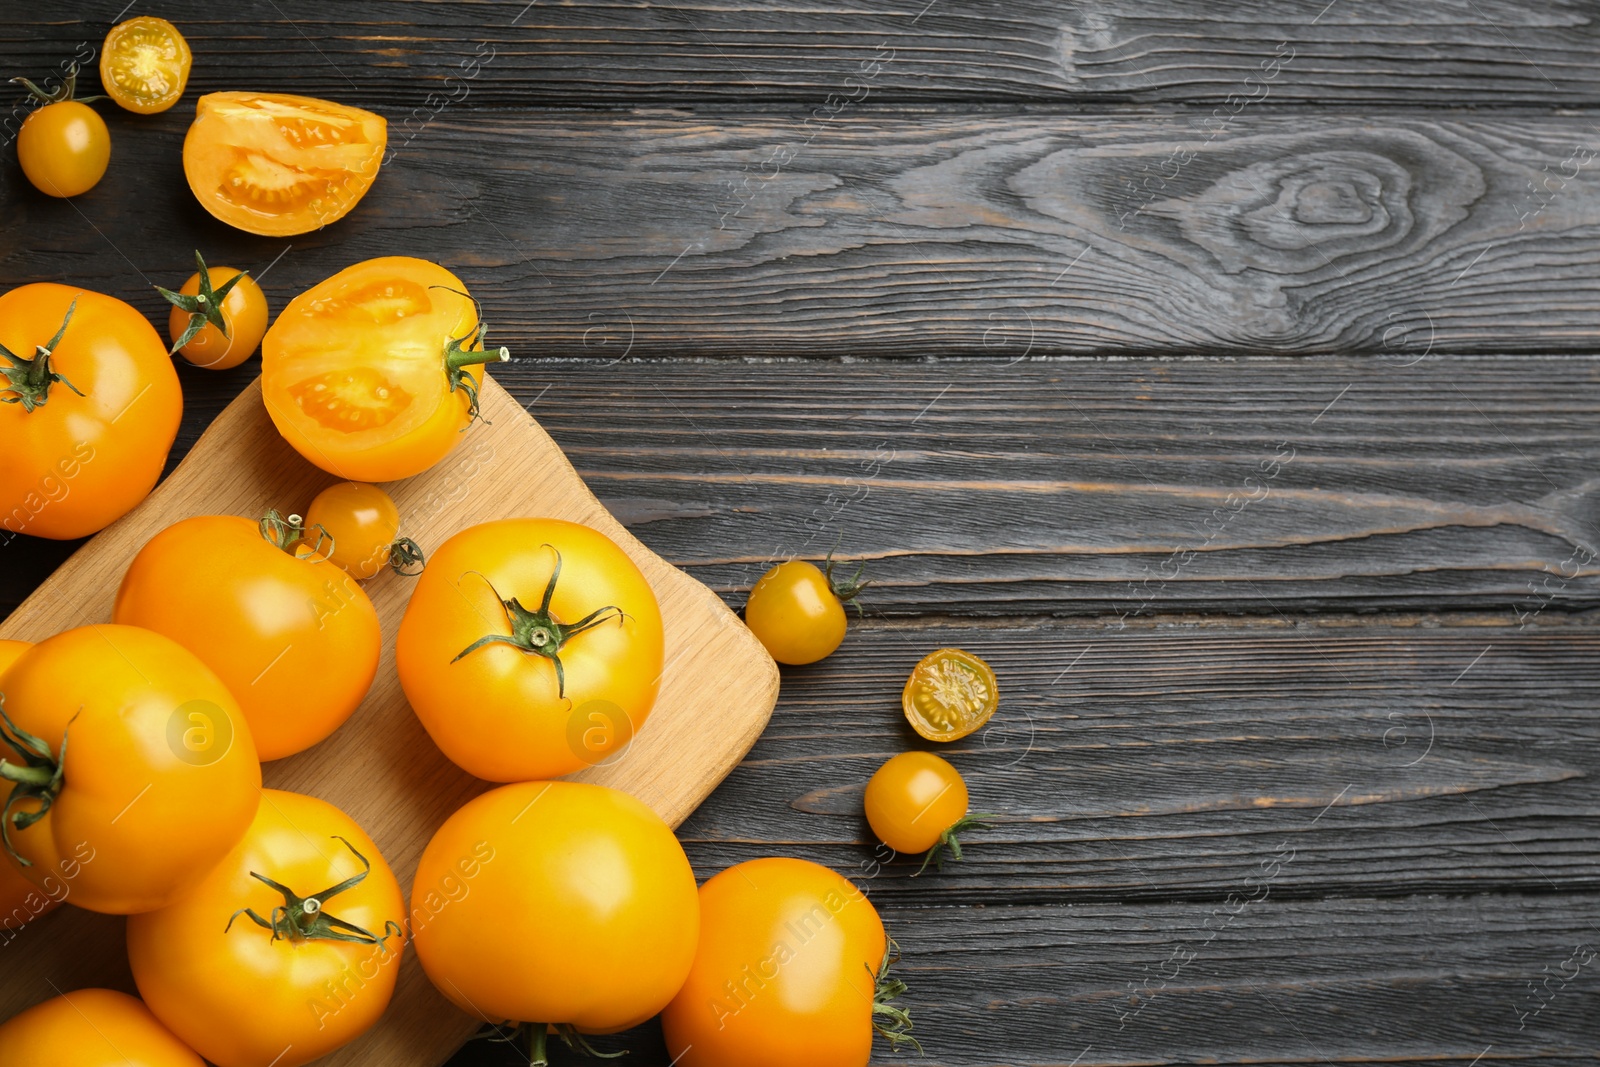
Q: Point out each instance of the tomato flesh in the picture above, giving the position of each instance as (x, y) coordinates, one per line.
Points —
(144, 65)
(950, 694)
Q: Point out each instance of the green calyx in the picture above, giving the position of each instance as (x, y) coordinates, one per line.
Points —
(846, 590)
(38, 777)
(889, 1019)
(949, 840)
(205, 306)
(405, 557)
(539, 632)
(28, 378)
(306, 918)
(288, 532)
(465, 351)
(533, 1037)
(68, 90)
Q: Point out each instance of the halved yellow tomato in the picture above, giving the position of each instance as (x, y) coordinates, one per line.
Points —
(278, 165)
(144, 64)
(949, 695)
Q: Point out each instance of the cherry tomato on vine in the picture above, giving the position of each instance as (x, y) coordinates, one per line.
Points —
(917, 803)
(133, 770)
(373, 374)
(144, 64)
(291, 634)
(89, 406)
(277, 165)
(218, 317)
(791, 971)
(567, 907)
(950, 694)
(63, 144)
(531, 648)
(797, 611)
(92, 1028)
(252, 972)
(365, 525)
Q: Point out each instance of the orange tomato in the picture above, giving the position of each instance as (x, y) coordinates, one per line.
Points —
(63, 145)
(790, 972)
(92, 1028)
(291, 634)
(531, 648)
(305, 970)
(373, 374)
(20, 900)
(917, 802)
(950, 694)
(144, 64)
(133, 768)
(557, 904)
(364, 524)
(218, 317)
(92, 406)
(797, 612)
(278, 165)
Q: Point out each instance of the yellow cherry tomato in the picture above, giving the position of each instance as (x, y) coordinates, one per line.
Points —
(917, 803)
(144, 64)
(797, 611)
(92, 1028)
(364, 523)
(950, 694)
(218, 317)
(63, 145)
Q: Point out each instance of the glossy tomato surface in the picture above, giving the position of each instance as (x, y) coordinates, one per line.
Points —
(75, 463)
(278, 165)
(91, 1028)
(354, 370)
(244, 999)
(363, 522)
(244, 309)
(557, 903)
(64, 148)
(291, 635)
(503, 712)
(795, 613)
(160, 778)
(913, 799)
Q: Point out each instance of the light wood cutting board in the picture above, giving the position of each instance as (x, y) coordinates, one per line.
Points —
(717, 691)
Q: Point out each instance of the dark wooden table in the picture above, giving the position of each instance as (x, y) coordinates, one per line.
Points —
(1223, 373)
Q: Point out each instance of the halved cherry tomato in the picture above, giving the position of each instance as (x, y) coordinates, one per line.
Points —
(63, 145)
(144, 64)
(797, 611)
(291, 634)
(91, 406)
(791, 971)
(217, 318)
(373, 374)
(917, 803)
(565, 906)
(531, 648)
(92, 1028)
(950, 694)
(123, 744)
(278, 165)
(364, 524)
(253, 974)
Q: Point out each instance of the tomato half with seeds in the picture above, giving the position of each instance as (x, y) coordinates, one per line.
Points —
(796, 610)
(128, 756)
(286, 951)
(93, 1028)
(90, 408)
(531, 648)
(791, 971)
(277, 165)
(291, 634)
(373, 374)
(364, 524)
(144, 64)
(917, 803)
(949, 695)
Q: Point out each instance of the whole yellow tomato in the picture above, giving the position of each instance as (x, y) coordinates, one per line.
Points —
(797, 611)
(91, 408)
(373, 374)
(92, 1028)
(917, 803)
(791, 971)
(531, 648)
(365, 525)
(63, 144)
(218, 316)
(291, 634)
(287, 950)
(133, 769)
(558, 904)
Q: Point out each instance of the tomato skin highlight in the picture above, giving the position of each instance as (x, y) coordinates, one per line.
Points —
(363, 522)
(144, 64)
(784, 974)
(64, 148)
(499, 712)
(795, 613)
(146, 808)
(556, 902)
(293, 637)
(92, 1028)
(913, 799)
(240, 998)
(76, 463)
(244, 309)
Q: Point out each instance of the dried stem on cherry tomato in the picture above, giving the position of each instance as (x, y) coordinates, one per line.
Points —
(38, 777)
(29, 378)
(461, 353)
(68, 90)
(847, 591)
(205, 306)
(948, 840)
(305, 919)
(288, 532)
(897, 1028)
(405, 557)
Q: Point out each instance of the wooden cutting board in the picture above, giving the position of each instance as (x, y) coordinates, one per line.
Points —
(717, 691)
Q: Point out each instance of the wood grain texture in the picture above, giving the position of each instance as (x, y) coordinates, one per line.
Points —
(1001, 236)
(603, 52)
(380, 767)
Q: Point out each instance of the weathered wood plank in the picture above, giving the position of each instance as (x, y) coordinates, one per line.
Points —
(410, 55)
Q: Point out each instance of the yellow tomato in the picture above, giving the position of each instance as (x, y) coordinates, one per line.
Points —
(917, 803)
(92, 1028)
(364, 524)
(797, 611)
(950, 694)
(218, 317)
(144, 64)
